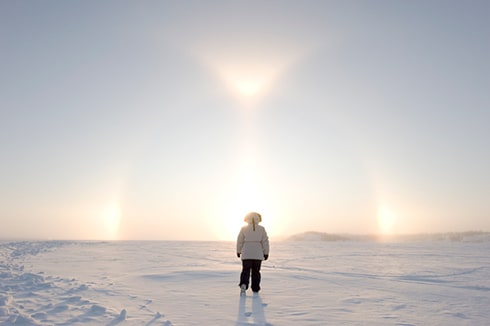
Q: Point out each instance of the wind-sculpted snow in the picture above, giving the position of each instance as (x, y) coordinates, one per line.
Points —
(28, 298)
(195, 283)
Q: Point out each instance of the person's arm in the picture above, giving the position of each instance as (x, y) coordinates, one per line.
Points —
(265, 245)
(239, 243)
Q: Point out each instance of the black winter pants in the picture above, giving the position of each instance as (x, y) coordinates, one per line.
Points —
(251, 265)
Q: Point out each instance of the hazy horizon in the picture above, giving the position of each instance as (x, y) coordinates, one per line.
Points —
(172, 120)
(281, 237)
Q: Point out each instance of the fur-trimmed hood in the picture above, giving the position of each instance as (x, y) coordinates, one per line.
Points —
(253, 218)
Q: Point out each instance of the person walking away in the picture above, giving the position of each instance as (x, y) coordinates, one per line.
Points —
(252, 247)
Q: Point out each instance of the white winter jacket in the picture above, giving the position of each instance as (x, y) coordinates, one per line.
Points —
(252, 242)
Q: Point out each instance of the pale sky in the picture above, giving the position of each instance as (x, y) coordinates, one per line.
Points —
(173, 119)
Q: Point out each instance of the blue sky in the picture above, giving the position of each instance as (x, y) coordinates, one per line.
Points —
(170, 120)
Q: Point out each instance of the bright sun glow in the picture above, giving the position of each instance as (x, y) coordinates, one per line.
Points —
(248, 80)
(111, 218)
(250, 72)
(386, 220)
(248, 87)
(244, 199)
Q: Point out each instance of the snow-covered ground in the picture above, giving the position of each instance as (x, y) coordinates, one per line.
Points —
(195, 283)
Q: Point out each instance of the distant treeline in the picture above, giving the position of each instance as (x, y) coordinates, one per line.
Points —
(468, 236)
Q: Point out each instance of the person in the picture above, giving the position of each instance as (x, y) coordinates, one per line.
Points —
(252, 247)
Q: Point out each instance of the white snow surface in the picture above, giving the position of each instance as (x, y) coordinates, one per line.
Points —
(196, 283)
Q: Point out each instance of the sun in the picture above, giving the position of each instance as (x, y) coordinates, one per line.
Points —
(111, 218)
(245, 200)
(242, 203)
(246, 74)
(386, 220)
(248, 80)
(244, 197)
(248, 87)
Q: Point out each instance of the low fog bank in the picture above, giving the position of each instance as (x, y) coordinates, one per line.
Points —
(468, 236)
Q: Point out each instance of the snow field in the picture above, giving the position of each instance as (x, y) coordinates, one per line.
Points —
(195, 283)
